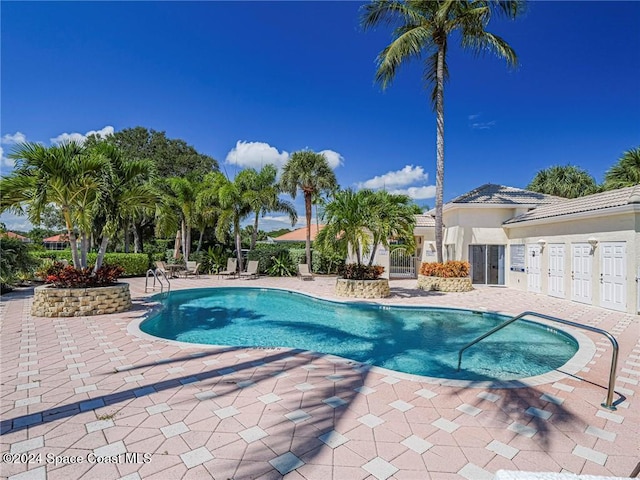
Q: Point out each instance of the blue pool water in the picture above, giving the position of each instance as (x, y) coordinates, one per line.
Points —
(422, 341)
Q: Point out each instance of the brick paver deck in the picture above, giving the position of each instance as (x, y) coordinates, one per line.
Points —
(88, 398)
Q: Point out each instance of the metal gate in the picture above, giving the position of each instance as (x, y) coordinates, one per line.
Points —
(401, 264)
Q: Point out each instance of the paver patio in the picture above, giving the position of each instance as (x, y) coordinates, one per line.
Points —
(89, 390)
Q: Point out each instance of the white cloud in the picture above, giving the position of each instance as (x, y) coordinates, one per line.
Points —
(399, 178)
(16, 222)
(5, 162)
(80, 138)
(12, 139)
(473, 116)
(334, 159)
(483, 125)
(417, 193)
(255, 155)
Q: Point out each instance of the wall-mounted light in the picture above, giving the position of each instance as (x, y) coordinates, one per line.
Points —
(592, 241)
(542, 242)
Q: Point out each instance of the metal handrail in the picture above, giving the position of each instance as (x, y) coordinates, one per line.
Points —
(614, 356)
(156, 277)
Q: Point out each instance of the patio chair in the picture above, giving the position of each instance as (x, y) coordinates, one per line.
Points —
(252, 269)
(193, 268)
(304, 273)
(231, 270)
(162, 267)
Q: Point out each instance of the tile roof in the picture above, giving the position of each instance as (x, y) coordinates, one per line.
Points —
(299, 235)
(500, 195)
(16, 236)
(425, 220)
(57, 238)
(597, 201)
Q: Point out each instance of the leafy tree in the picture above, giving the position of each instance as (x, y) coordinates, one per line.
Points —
(171, 157)
(309, 172)
(566, 181)
(263, 196)
(626, 172)
(61, 175)
(424, 28)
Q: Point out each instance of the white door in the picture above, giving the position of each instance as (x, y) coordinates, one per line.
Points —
(613, 276)
(581, 267)
(556, 270)
(533, 268)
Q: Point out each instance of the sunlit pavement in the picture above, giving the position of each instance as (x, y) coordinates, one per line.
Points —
(86, 397)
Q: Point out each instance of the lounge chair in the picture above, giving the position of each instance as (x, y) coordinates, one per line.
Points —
(162, 267)
(193, 268)
(232, 267)
(304, 273)
(252, 269)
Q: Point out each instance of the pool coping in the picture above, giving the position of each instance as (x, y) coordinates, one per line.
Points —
(585, 353)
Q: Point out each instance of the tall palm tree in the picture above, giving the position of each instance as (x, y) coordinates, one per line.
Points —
(125, 192)
(263, 195)
(61, 175)
(179, 211)
(231, 200)
(424, 28)
(309, 172)
(626, 172)
(567, 181)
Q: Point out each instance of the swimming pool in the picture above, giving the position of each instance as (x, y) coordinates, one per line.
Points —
(415, 340)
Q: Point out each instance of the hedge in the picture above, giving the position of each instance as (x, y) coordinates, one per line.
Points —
(134, 264)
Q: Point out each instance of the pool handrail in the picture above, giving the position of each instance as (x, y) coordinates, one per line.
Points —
(157, 277)
(614, 356)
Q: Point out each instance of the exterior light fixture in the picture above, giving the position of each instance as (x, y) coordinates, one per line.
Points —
(542, 242)
(592, 241)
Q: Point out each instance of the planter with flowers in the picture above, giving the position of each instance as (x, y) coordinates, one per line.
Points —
(76, 292)
(362, 281)
(451, 276)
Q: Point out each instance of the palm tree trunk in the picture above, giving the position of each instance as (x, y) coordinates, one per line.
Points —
(72, 239)
(440, 150)
(307, 211)
(101, 251)
(236, 228)
(176, 244)
(200, 240)
(254, 234)
(137, 240)
(83, 249)
(126, 237)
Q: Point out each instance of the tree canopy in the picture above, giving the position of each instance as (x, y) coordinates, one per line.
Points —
(626, 172)
(171, 157)
(567, 181)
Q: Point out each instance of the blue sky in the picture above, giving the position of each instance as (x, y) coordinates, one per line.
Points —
(251, 82)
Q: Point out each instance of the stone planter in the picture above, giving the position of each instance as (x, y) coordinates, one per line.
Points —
(78, 302)
(445, 284)
(362, 288)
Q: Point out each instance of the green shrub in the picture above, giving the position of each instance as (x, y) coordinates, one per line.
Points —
(134, 264)
(16, 262)
(450, 269)
(281, 266)
(264, 253)
(355, 271)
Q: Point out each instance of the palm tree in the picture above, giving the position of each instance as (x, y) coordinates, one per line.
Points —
(626, 172)
(566, 181)
(62, 175)
(347, 219)
(125, 192)
(310, 172)
(231, 200)
(263, 196)
(424, 27)
(179, 211)
(391, 216)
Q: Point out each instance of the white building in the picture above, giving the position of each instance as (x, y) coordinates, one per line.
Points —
(585, 249)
